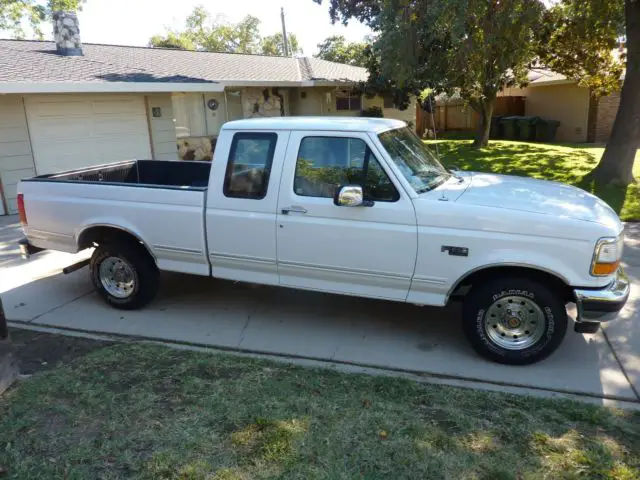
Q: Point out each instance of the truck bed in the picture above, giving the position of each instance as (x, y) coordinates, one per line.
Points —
(150, 173)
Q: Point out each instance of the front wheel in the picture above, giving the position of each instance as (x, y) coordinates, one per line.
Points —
(124, 274)
(516, 321)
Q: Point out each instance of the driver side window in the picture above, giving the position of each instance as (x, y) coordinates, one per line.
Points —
(325, 163)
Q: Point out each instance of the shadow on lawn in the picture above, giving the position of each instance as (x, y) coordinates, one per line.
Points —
(570, 164)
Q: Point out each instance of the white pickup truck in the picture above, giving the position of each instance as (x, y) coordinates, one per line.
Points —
(349, 206)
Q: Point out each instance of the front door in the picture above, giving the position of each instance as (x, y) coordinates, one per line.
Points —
(366, 251)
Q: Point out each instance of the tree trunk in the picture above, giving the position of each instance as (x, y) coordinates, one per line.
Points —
(485, 110)
(616, 165)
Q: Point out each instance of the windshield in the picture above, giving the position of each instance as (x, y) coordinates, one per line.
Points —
(417, 163)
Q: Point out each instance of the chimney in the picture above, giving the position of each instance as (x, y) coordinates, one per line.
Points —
(66, 33)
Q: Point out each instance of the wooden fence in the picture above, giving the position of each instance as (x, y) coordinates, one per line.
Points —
(458, 116)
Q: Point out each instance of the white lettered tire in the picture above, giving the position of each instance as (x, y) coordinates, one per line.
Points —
(514, 320)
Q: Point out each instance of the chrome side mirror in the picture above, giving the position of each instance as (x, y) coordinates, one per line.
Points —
(350, 196)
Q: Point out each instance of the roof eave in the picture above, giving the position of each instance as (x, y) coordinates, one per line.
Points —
(107, 87)
(545, 83)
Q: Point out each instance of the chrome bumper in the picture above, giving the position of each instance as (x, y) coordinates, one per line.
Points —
(602, 305)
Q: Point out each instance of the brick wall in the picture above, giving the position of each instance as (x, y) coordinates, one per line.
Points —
(606, 114)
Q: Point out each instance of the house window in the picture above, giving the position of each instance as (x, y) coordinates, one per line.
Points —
(325, 163)
(249, 165)
(189, 115)
(350, 103)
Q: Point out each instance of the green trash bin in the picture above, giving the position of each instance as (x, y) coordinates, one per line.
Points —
(527, 128)
(497, 130)
(546, 130)
(510, 125)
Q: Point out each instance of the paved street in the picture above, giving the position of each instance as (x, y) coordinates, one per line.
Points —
(318, 326)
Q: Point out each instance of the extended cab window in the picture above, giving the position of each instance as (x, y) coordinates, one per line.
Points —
(249, 165)
(325, 163)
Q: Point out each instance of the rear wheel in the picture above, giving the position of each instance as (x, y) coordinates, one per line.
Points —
(124, 274)
(512, 320)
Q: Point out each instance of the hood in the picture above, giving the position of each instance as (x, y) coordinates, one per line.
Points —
(537, 196)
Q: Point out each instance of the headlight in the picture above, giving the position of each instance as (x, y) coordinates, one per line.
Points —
(606, 257)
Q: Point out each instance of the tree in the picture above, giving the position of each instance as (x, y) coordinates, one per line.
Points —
(273, 45)
(472, 47)
(578, 40)
(202, 32)
(337, 49)
(217, 34)
(14, 14)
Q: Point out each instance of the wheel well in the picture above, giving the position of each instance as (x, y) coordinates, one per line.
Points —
(486, 274)
(100, 235)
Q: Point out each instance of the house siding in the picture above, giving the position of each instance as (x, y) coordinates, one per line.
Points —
(162, 129)
(408, 115)
(16, 158)
(569, 104)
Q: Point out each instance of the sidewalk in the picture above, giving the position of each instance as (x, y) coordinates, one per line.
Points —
(222, 314)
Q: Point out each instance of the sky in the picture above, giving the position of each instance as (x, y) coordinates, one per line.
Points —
(133, 22)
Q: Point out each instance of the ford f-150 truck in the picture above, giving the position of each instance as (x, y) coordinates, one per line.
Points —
(349, 206)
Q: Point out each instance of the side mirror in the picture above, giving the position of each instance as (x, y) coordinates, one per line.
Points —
(351, 196)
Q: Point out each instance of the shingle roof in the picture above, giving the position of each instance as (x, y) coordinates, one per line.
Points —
(541, 75)
(36, 61)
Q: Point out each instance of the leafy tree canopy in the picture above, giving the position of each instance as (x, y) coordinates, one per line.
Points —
(216, 34)
(337, 49)
(580, 39)
(474, 47)
(273, 45)
(16, 14)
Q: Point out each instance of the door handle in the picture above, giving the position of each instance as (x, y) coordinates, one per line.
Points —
(293, 209)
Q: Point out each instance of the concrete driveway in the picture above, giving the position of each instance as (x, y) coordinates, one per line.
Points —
(215, 313)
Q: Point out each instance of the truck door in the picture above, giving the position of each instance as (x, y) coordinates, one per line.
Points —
(241, 208)
(365, 250)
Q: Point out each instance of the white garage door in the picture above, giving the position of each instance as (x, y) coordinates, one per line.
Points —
(74, 131)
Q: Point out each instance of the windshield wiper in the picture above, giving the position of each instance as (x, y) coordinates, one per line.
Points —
(453, 172)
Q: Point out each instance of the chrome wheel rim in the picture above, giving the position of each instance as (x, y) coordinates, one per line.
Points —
(117, 277)
(514, 323)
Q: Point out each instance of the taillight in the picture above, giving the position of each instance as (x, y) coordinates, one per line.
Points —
(22, 213)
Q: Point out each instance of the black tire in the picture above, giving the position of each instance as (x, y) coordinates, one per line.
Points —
(485, 298)
(146, 278)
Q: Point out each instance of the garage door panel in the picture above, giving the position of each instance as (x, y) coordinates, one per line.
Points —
(87, 130)
(119, 126)
(59, 109)
(132, 107)
(61, 128)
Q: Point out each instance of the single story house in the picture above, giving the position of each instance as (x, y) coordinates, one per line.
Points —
(582, 118)
(549, 95)
(66, 105)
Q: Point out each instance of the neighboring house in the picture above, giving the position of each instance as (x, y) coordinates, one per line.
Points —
(65, 105)
(582, 118)
(548, 95)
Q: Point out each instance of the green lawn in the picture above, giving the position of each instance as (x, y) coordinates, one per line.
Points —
(560, 162)
(149, 412)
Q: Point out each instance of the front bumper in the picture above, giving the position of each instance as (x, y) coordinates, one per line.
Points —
(602, 305)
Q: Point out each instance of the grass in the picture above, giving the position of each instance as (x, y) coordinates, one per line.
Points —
(149, 412)
(567, 163)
